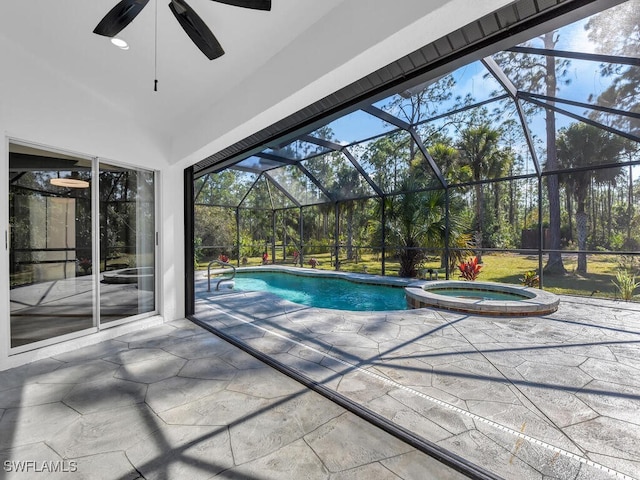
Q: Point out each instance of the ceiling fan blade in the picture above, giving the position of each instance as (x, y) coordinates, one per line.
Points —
(119, 17)
(196, 29)
(253, 4)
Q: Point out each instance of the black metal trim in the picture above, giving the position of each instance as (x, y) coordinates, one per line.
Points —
(244, 197)
(316, 182)
(356, 164)
(614, 111)
(275, 158)
(387, 117)
(282, 190)
(451, 113)
(580, 118)
(336, 147)
(592, 57)
(189, 248)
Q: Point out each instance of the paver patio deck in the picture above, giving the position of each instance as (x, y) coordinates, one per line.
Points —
(556, 396)
(177, 402)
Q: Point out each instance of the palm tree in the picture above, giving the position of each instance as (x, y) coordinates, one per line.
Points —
(479, 149)
(418, 220)
(579, 146)
(447, 157)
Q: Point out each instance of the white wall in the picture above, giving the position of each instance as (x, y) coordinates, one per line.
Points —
(42, 106)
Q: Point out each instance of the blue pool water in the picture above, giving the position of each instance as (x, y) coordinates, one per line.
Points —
(477, 294)
(332, 293)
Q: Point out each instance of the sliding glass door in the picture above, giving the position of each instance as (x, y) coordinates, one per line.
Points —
(127, 243)
(68, 214)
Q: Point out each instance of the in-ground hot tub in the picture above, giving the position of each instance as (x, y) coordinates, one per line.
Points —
(485, 298)
(143, 276)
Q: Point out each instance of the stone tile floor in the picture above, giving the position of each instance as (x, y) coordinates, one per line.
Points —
(556, 396)
(177, 402)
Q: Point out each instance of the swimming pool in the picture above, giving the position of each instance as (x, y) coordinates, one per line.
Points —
(329, 292)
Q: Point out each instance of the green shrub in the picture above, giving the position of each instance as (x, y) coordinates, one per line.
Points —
(531, 279)
(626, 284)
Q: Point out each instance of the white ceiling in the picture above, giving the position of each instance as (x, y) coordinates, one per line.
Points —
(275, 63)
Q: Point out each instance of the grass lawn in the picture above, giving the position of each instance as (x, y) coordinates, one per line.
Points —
(502, 267)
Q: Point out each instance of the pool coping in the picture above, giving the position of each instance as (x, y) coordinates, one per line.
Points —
(366, 278)
(537, 302)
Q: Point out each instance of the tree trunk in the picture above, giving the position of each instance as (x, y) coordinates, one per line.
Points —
(497, 197)
(479, 221)
(581, 227)
(594, 210)
(325, 224)
(570, 217)
(554, 264)
(512, 203)
(609, 214)
(630, 208)
(350, 209)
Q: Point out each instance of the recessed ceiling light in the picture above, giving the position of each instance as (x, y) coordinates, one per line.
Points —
(118, 42)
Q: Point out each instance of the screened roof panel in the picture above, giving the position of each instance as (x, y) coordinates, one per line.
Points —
(353, 127)
(362, 153)
(279, 199)
(297, 150)
(513, 140)
(339, 176)
(623, 123)
(611, 32)
(298, 185)
(481, 144)
(590, 83)
(266, 196)
(439, 138)
(467, 85)
(615, 31)
(578, 80)
(258, 164)
(387, 159)
(420, 172)
(580, 143)
(226, 188)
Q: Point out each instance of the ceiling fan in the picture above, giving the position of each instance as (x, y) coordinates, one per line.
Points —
(126, 10)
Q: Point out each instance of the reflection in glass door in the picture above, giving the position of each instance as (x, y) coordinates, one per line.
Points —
(50, 245)
(70, 266)
(127, 243)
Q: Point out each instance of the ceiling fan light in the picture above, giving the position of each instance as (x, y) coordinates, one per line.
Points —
(120, 43)
(126, 10)
(69, 182)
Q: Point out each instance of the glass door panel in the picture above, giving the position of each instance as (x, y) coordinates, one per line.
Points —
(50, 245)
(127, 242)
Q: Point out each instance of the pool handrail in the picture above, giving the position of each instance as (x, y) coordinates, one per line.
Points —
(224, 264)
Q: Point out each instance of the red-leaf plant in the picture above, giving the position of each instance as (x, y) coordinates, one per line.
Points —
(470, 270)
